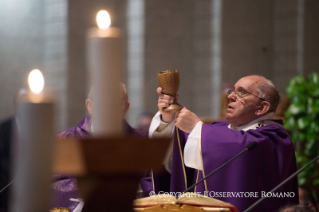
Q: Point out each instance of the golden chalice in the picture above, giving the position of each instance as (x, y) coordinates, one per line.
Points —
(169, 81)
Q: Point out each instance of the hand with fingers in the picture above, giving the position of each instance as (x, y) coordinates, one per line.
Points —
(186, 120)
(163, 102)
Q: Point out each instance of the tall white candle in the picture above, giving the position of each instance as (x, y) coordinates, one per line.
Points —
(104, 54)
(33, 162)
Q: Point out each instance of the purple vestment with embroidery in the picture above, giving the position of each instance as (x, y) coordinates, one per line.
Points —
(65, 187)
(259, 170)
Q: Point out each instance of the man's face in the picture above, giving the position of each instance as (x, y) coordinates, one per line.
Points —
(242, 110)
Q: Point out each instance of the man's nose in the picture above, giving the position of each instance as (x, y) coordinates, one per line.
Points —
(232, 96)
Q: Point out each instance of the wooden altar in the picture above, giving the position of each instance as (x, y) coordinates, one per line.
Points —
(108, 169)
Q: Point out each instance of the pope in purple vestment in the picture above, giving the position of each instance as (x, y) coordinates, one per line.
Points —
(255, 173)
(202, 148)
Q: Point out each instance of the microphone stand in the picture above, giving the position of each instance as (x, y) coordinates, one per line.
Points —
(283, 182)
(4, 188)
(248, 147)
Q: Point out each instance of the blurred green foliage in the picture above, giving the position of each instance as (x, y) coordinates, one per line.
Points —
(302, 122)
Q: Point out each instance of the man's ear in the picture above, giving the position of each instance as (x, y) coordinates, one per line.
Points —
(88, 104)
(126, 107)
(312, 206)
(263, 108)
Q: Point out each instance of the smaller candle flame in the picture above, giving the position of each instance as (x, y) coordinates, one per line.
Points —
(103, 19)
(36, 81)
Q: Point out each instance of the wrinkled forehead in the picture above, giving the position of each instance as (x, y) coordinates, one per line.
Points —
(250, 82)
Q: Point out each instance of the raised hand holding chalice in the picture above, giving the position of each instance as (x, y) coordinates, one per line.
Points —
(169, 81)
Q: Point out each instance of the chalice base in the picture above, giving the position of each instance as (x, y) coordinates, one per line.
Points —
(173, 107)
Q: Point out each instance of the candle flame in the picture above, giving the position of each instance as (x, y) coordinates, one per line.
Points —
(103, 19)
(36, 81)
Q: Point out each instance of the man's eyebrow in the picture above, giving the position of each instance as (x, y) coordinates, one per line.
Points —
(240, 88)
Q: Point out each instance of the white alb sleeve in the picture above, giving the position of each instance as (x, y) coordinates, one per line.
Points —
(154, 124)
(192, 153)
(166, 131)
(158, 124)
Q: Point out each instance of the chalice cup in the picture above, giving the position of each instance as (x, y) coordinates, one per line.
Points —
(169, 81)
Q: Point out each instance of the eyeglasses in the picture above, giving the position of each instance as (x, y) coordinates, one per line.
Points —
(241, 93)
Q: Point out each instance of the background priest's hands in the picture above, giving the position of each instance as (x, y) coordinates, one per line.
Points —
(186, 120)
(163, 102)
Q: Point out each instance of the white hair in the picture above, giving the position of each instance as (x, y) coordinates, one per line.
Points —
(269, 92)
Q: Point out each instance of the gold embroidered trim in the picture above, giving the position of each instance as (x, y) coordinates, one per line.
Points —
(201, 154)
(153, 181)
(260, 124)
(196, 180)
(182, 159)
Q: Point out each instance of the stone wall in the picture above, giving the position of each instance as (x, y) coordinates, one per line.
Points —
(56, 57)
(21, 47)
(209, 42)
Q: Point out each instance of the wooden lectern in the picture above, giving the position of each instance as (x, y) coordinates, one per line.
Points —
(108, 169)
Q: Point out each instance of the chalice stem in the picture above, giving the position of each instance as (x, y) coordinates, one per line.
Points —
(175, 106)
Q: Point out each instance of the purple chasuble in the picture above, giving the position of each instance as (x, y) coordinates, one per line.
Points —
(175, 181)
(247, 178)
(65, 187)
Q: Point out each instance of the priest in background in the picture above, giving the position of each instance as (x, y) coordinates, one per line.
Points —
(199, 149)
(296, 208)
(65, 187)
(306, 198)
